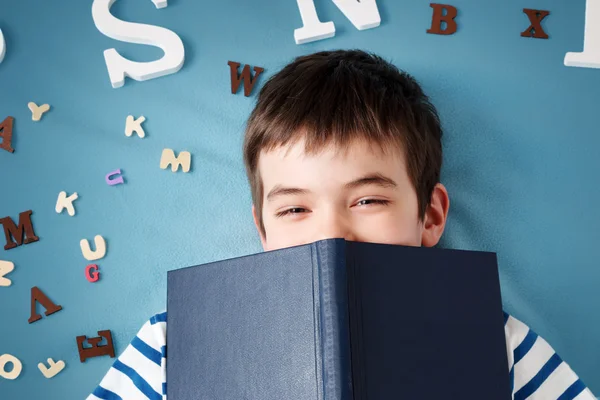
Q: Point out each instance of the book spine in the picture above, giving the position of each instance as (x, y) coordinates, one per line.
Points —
(359, 386)
(334, 335)
(317, 320)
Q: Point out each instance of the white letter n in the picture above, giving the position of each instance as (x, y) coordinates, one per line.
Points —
(363, 15)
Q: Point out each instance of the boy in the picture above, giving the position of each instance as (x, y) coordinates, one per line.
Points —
(342, 144)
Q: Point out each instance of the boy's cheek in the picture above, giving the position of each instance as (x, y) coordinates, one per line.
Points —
(281, 234)
(389, 236)
(384, 227)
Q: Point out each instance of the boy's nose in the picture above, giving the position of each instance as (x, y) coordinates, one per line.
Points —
(336, 228)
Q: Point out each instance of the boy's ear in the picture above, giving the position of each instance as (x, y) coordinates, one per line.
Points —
(435, 216)
(257, 225)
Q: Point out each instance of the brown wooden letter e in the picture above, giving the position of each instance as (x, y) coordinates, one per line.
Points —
(439, 17)
(245, 75)
(535, 30)
(24, 227)
(95, 350)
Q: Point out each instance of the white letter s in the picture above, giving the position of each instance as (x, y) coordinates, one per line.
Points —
(118, 66)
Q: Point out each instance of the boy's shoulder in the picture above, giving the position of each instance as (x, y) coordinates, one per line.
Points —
(140, 370)
(158, 318)
(154, 334)
(535, 369)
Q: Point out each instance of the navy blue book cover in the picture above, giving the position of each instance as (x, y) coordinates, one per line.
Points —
(338, 320)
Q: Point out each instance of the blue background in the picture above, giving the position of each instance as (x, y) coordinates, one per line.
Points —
(520, 163)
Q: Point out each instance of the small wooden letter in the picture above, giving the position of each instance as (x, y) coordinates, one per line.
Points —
(66, 202)
(439, 17)
(114, 181)
(6, 134)
(16, 370)
(168, 157)
(6, 267)
(132, 125)
(535, 30)
(37, 111)
(53, 369)
(245, 76)
(25, 227)
(92, 276)
(100, 251)
(95, 350)
(38, 296)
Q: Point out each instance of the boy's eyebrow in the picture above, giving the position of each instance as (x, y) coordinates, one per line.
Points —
(369, 179)
(279, 190)
(372, 179)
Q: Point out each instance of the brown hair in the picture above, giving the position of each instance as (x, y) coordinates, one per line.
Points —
(336, 97)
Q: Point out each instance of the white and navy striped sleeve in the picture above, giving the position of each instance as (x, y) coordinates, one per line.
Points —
(139, 373)
(536, 371)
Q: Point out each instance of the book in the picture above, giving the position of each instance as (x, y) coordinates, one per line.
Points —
(338, 320)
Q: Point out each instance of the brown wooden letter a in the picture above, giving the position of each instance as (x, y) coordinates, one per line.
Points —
(6, 134)
(535, 30)
(95, 350)
(25, 226)
(245, 75)
(439, 17)
(38, 296)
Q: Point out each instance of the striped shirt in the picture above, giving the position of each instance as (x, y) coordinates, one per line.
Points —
(536, 372)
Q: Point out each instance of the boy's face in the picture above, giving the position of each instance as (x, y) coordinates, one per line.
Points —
(361, 195)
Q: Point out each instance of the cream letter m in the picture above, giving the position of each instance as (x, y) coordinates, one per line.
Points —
(168, 157)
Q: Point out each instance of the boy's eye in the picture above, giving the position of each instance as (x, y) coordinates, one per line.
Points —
(300, 210)
(372, 201)
(295, 210)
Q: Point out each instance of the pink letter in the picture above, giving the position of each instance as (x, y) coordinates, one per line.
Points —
(90, 275)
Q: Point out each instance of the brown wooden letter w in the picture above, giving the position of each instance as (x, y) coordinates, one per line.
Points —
(245, 75)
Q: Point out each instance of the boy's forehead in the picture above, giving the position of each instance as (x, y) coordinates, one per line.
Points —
(331, 163)
(355, 148)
